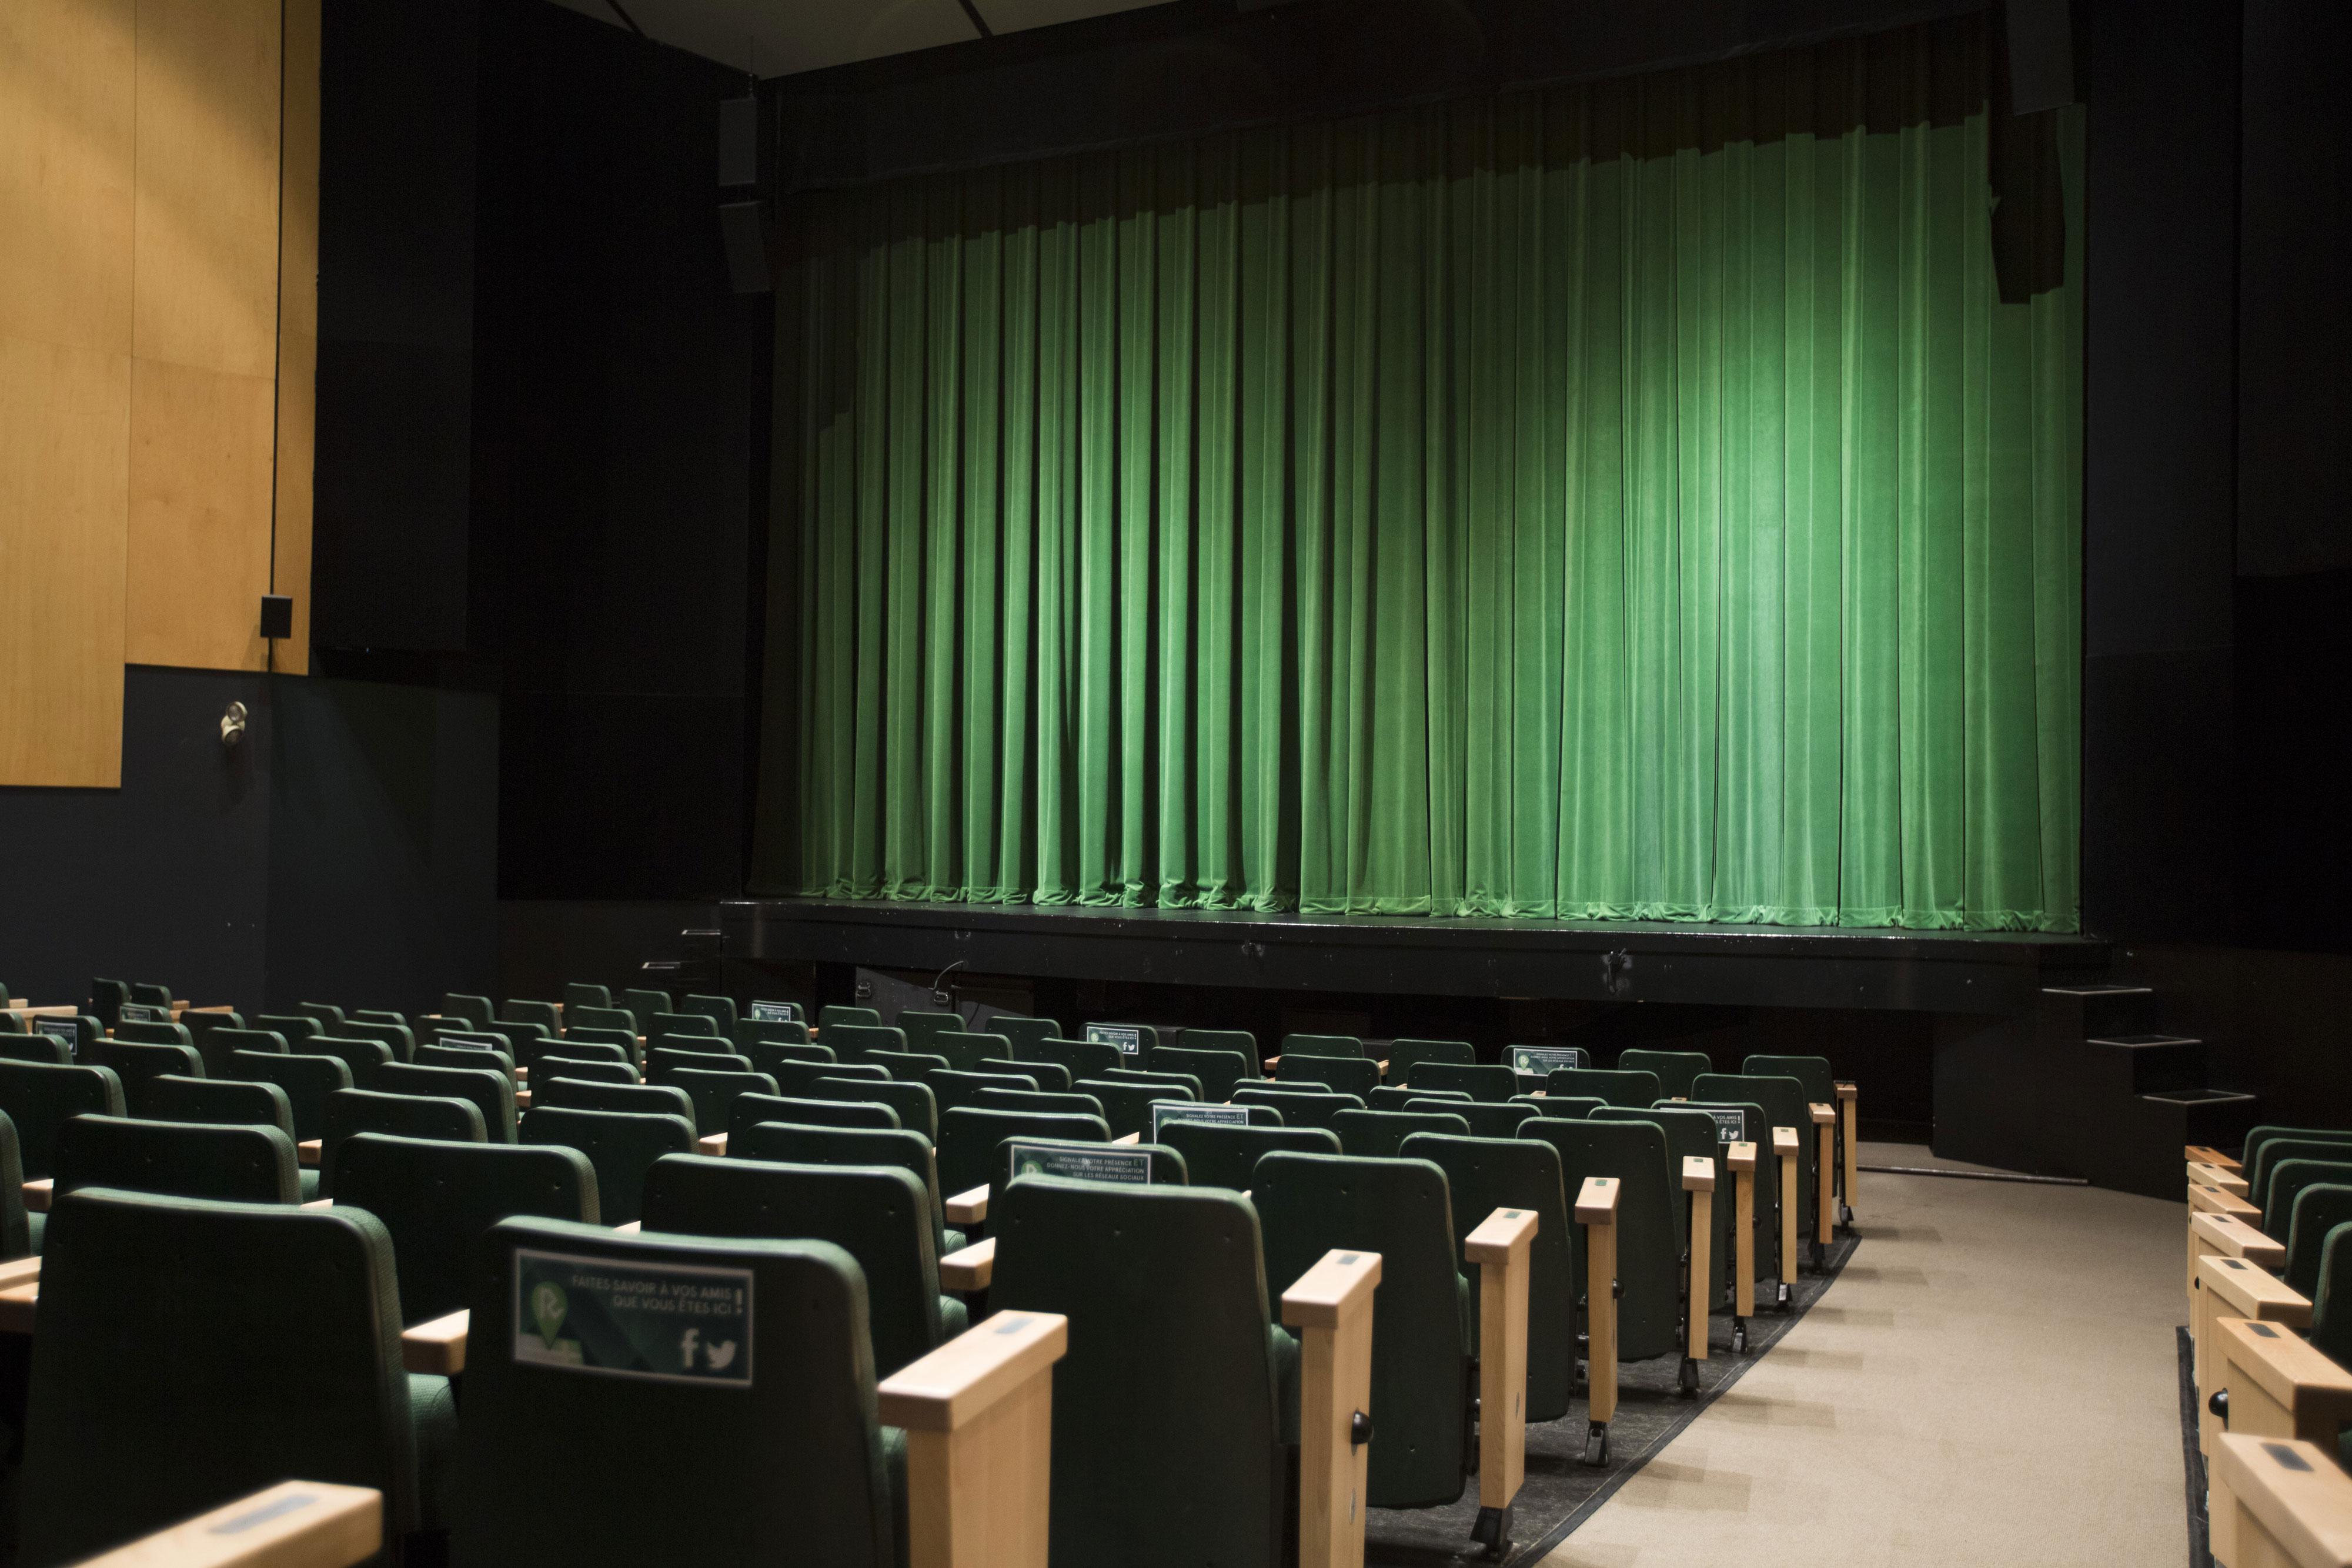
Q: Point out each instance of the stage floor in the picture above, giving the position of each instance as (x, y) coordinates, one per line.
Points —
(1654, 961)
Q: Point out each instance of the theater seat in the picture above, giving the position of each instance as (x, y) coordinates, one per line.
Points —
(720, 1010)
(1127, 1106)
(1024, 1032)
(713, 1092)
(905, 1066)
(1300, 1104)
(564, 1093)
(39, 1097)
(1347, 1074)
(918, 1107)
(1675, 1070)
(828, 1017)
(136, 1064)
(621, 1145)
(364, 1057)
(1220, 1069)
(1081, 1058)
(969, 1138)
(748, 1111)
(807, 1144)
(20, 1231)
(1049, 1076)
(492, 1092)
(42, 1048)
(278, 1357)
(439, 1197)
(1483, 1175)
(1483, 1120)
(1489, 1081)
(595, 1069)
(643, 1004)
(1224, 1154)
(766, 1053)
(475, 1010)
(578, 994)
(953, 1089)
(351, 1112)
(174, 1099)
(1404, 1055)
(1073, 1104)
(246, 1163)
(1379, 1135)
(1637, 1090)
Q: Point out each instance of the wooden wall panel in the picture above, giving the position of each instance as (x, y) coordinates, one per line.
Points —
(297, 326)
(66, 112)
(199, 535)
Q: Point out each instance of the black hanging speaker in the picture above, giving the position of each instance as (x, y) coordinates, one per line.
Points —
(276, 615)
(2041, 54)
(743, 178)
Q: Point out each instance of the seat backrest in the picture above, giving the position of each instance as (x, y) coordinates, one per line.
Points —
(643, 1004)
(1379, 1135)
(491, 1091)
(1126, 1106)
(150, 993)
(879, 1215)
(1483, 1175)
(1783, 1103)
(664, 1059)
(327, 1015)
(918, 1107)
(296, 1026)
(1024, 1032)
(796, 1077)
(2288, 1178)
(1675, 1069)
(589, 1094)
(218, 1044)
(580, 994)
(692, 1026)
(1690, 1134)
(80, 1032)
(44, 1096)
(620, 1039)
(1168, 1394)
(1051, 1077)
(965, 1049)
(994, 1099)
(952, 1088)
(618, 1018)
(1397, 1097)
(1400, 1208)
(2331, 1305)
(379, 1015)
(172, 1098)
(42, 1048)
(851, 1041)
(1404, 1055)
(2319, 1208)
(449, 1051)
(1575, 1106)
(1239, 1042)
(1351, 1075)
(749, 1032)
(968, 1136)
(1220, 1072)
(595, 1071)
(16, 1225)
(765, 1054)
(769, 1453)
(364, 1056)
(139, 1418)
(351, 1112)
(399, 1039)
(621, 1145)
(1181, 1081)
(1649, 1251)
(2304, 1142)
(235, 1163)
(905, 1066)
(1135, 1042)
(713, 1092)
(307, 1080)
(919, 1026)
(1638, 1090)
(106, 999)
(1081, 1058)
(809, 1143)
(520, 1010)
(1812, 1071)
(1223, 1154)
(1489, 1081)
(1484, 1120)
(476, 1010)
(1299, 1107)
(153, 1033)
(827, 1018)
(1320, 1045)
(1021, 1157)
(439, 1197)
(748, 1111)
(135, 1064)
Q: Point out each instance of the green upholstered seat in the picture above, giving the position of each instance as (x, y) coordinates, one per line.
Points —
(616, 1039)
(235, 1163)
(106, 999)
(1340, 1045)
(476, 1010)
(1024, 1032)
(641, 1004)
(749, 1032)
(438, 1198)
(521, 1010)
(326, 1015)
(879, 1215)
(1766, 1218)
(2331, 1305)
(1491, 1082)
(1574, 1106)
(748, 1111)
(82, 1031)
(1081, 1059)
(905, 1066)
(1126, 1106)
(969, 1138)
(1222, 1154)
(2288, 1177)
(364, 1056)
(551, 1068)
(1300, 1106)
(42, 1048)
(136, 1064)
(380, 1015)
(966, 1049)
(1690, 1134)
(810, 1144)
(851, 1041)
(713, 1092)
(1813, 1071)
(1354, 1075)
(953, 1089)
(2286, 1143)
(2319, 1208)
(399, 1039)
(1404, 1055)
(1400, 1208)
(450, 1051)
(351, 1112)
(296, 1026)
(664, 1059)
(492, 1092)
(766, 1053)
(17, 1236)
(1637, 1089)
(1220, 1072)
(1143, 1037)
(1398, 1097)
(1782, 1103)
(150, 993)
(1182, 1081)
(1168, 1410)
(1380, 1134)
(918, 1107)
(787, 1467)
(1167, 1166)
(1049, 1076)
(618, 1018)
(1483, 1120)
(307, 1080)
(280, 1356)
(41, 1096)
(691, 1026)
(588, 1094)
(590, 1050)
(580, 994)
(172, 1098)
(796, 1077)
(1483, 1175)
(145, 1033)
(827, 1018)
(1674, 1069)
(1238, 1042)
(1649, 1253)
(920, 1025)
(1074, 1103)
(621, 1145)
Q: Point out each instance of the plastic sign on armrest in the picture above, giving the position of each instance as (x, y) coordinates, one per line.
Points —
(435, 1346)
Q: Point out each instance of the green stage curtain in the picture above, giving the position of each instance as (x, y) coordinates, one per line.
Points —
(1635, 500)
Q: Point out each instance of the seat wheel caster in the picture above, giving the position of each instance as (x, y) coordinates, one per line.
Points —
(1783, 1297)
(1845, 1216)
(1687, 1378)
(1493, 1531)
(1596, 1444)
(1739, 1336)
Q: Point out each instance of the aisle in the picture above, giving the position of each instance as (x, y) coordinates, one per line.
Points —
(1992, 1379)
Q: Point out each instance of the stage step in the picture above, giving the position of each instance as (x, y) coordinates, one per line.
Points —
(2148, 1064)
(2107, 1011)
(2218, 1118)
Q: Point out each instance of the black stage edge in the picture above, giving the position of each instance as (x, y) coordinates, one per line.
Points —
(1572, 960)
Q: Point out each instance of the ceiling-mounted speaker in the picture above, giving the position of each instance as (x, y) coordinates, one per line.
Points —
(743, 227)
(2041, 54)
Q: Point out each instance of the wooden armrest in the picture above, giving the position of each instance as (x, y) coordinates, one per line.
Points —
(1272, 1062)
(1384, 1067)
(38, 1192)
(1337, 1284)
(1846, 1089)
(522, 1099)
(522, 1074)
(2233, 1238)
(1699, 1174)
(1823, 1115)
(2201, 1154)
(1596, 1201)
(632, 1227)
(2281, 1385)
(1129, 1138)
(957, 1383)
(2214, 1176)
(1784, 1141)
(1330, 1305)
(18, 1306)
(2241, 1291)
(2218, 1200)
(1500, 1235)
(2290, 1491)
(1739, 1156)
(321, 1203)
(968, 1208)
(969, 1269)
(294, 1524)
(716, 1143)
(437, 1345)
(309, 1150)
(22, 1271)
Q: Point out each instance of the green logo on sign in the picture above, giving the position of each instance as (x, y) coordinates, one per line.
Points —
(547, 1306)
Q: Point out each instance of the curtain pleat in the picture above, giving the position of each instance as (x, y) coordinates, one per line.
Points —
(1630, 501)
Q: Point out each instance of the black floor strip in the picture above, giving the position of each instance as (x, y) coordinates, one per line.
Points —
(1558, 1492)
(1975, 1175)
(2200, 1544)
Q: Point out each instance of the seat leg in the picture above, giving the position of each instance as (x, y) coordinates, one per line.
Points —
(1739, 1336)
(1687, 1378)
(1493, 1531)
(1596, 1444)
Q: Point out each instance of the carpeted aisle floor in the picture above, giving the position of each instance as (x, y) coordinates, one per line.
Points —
(1991, 1379)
